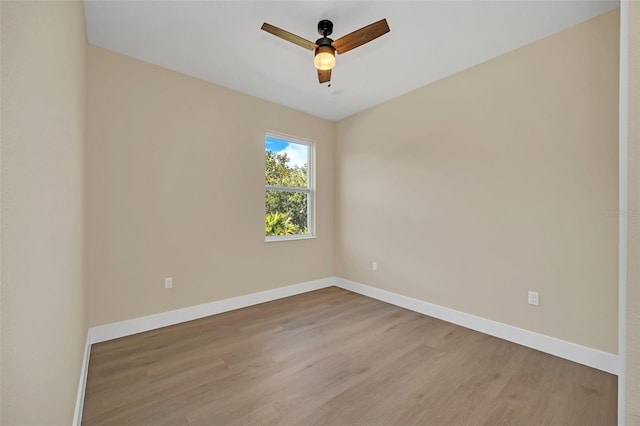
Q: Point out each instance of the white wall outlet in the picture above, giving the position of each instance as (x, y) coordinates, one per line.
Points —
(168, 282)
(374, 266)
(534, 298)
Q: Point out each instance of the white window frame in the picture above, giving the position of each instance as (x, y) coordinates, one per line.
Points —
(309, 190)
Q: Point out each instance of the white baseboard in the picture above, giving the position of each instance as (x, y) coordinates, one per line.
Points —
(164, 319)
(77, 414)
(577, 353)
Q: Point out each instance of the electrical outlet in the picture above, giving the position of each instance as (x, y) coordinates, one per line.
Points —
(374, 266)
(168, 282)
(534, 298)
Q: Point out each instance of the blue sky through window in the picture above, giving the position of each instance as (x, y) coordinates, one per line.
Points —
(274, 145)
(297, 153)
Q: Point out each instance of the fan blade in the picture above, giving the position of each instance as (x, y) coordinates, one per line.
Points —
(286, 35)
(361, 36)
(324, 76)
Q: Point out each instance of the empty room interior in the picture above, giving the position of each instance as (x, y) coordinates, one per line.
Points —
(320, 213)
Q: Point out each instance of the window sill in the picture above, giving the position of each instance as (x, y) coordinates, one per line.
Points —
(289, 238)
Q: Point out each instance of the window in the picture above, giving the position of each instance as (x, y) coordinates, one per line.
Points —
(288, 188)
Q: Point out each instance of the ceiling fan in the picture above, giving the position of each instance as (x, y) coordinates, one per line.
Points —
(326, 48)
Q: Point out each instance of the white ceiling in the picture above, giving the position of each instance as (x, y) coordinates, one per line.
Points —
(221, 42)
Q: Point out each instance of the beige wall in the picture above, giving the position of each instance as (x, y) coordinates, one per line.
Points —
(633, 224)
(472, 190)
(176, 188)
(43, 136)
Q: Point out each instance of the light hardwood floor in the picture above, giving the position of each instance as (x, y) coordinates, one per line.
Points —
(332, 357)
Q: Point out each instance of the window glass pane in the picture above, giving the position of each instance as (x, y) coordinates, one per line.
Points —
(286, 213)
(286, 163)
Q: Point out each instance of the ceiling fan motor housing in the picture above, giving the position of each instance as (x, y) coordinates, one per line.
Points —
(324, 41)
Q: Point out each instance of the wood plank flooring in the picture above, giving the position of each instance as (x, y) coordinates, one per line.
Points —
(332, 357)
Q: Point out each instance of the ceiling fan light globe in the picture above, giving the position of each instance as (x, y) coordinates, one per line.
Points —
(325, 58)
